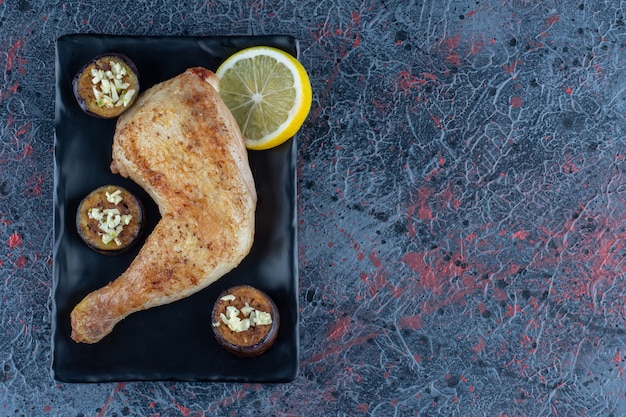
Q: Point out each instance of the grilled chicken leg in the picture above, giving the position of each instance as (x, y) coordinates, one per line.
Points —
(180, 143)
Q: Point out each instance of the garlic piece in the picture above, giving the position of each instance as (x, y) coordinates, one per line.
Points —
(109, 87)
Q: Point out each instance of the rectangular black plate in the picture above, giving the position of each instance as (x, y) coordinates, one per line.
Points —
(172, 342)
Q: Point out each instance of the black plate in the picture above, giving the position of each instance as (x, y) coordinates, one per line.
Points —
(172, 342)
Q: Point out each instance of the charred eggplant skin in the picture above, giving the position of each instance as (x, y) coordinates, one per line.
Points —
(84, 86)
(88, 227)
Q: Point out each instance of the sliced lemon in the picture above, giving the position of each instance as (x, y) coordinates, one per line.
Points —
(268, 92)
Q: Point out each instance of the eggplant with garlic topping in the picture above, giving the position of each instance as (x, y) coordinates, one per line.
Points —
(245, 321)
(110, 219)
(107, 85)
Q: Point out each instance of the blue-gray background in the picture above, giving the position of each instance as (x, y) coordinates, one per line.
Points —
(461, 190)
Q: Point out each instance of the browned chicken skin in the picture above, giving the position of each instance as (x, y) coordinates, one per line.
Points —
(180, 143)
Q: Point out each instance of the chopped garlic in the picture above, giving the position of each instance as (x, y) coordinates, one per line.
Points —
(115, 197)
(108, 86)
(252, 316)
(114, 96)
(247, 310)
(105, 86)
(95, 213)
(128, 96)
(262, 318)
(110, 221)
(232, 311)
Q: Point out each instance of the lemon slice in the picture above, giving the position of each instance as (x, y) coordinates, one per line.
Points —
(268, 92)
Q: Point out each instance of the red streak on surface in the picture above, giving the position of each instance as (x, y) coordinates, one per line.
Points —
(516, 102)
(375, 261)
(552, 19)
(339, 329)
(436, 121)
(21, 262)
(23, 129)
(26, 152)
(606, 259)
(500, 294)
(480, 346)
(380, 276)
(356, 19)
(618, 357)
(5, 93)
(521, 235)
(477, 45)
(454, 59)
(510, 68)
(428, 277)
(411, 322)
(12, 54)
(103, 411)
(449, 277)
(424, 211)
(512, 310)
(15, 240)
(34, 186)
(407, 81)
(450, 46)
(13, 88)
(381, 105)
(363, 408)
(22, 68)
(185, 411)
(569, 167)
(453, 42)
(596, 269)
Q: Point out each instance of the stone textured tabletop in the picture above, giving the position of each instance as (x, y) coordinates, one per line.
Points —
(461, 208)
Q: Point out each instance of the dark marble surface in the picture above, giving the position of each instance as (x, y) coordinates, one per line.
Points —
(462, 218)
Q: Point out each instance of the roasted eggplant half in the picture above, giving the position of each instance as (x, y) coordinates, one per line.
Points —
(107, 85)
(245, 321)
(110, 219)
